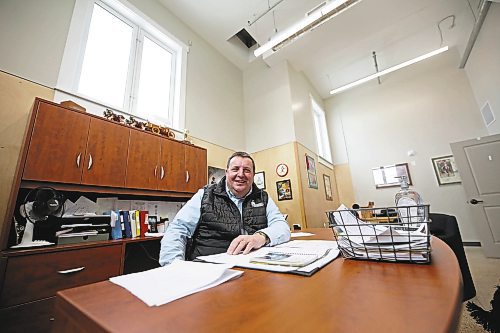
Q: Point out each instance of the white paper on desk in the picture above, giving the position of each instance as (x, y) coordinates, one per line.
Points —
(326, 251)
(179, 279)
(82, 207)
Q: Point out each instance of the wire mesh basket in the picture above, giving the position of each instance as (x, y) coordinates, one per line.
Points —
(393, 234)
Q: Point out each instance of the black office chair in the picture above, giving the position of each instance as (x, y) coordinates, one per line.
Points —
(445, 227)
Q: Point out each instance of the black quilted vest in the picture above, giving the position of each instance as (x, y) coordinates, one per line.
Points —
(220, 220)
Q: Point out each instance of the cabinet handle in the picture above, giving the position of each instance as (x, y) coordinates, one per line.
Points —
(73, 270)
(162, 172)
(187, 176)
(90, 162)
(156, 167)
(78, 160)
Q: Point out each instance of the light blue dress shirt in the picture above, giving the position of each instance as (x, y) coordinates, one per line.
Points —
(173, 243)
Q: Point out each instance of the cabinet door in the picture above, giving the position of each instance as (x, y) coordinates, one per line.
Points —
(57, 145)
(105, 160)
(143, 167)
(196, 168)
(173, 175)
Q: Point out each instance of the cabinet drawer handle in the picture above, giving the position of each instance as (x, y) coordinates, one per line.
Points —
(73, 270)
(187, 176)
(162, 173)
(90, 162)
(78, 160)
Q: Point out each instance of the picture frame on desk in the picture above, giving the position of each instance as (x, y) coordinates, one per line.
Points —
(446, 170)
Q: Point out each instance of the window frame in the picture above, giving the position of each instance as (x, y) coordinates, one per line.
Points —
(71, 66)
(321, 132)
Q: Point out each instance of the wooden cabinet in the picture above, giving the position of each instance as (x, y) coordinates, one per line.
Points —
(82, 153)
(71, 147)
(106, 155)
(196, 170)
(57, 145)
(32, 279)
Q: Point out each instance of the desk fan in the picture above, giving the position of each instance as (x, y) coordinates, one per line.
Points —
(40, 204)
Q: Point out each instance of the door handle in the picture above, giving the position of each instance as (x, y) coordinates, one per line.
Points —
(475, 202)
(78, 160)
(187, 176)
(90, 162)
(162, 172)
(74, 270)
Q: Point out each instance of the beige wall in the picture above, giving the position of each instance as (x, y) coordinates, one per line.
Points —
(16, 99)
(267, 160)
(314, 200)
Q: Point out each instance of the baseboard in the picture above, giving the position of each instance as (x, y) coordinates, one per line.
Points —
(472, 244)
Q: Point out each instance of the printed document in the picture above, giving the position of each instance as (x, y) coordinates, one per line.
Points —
(179, 279)
(323, 251)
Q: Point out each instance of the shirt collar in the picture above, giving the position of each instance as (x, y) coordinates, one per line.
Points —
(232, 196)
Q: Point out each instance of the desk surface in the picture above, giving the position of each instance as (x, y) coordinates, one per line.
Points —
(344, 296)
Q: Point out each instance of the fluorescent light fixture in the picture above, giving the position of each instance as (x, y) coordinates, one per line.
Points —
(313, 19)
(389, 70)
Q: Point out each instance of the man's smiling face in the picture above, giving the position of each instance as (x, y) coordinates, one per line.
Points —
(239, 176)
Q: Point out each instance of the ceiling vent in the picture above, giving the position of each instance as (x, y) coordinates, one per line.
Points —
(245, 37)
(487, 113)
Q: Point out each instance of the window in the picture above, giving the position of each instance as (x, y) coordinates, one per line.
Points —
(321, 132)
(116, 58)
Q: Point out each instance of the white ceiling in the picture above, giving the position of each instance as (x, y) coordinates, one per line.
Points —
(339, 51)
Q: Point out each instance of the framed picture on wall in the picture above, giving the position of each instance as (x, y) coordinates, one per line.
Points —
(311, 172)
(284, 189)
(390, 175)
(215, 174)
(446, 170)
(260, 180)
(328, 187)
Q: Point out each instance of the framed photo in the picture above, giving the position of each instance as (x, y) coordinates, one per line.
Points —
(446, 170)
(260, 180)
(388, 176)
(328, 187)
(311, 172)
(284, 188)
(215, 174)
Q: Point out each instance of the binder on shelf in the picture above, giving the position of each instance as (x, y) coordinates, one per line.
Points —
(116, 226)
(133, 224)
(143, 219)
(126, 223)
(138, 223)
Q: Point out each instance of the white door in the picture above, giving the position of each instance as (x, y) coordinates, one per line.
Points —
(478, 162)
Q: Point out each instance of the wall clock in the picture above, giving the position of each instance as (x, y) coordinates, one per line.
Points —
(282, 169)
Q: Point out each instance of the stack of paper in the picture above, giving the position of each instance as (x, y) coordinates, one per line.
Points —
(315, 254)
(179, 279)
(394, 242)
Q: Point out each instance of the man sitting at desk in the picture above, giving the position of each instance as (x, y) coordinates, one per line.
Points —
(231, 216)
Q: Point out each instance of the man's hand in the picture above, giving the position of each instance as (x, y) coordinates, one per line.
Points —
(246, 243)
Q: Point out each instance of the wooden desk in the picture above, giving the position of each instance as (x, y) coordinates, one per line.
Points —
(345, 296)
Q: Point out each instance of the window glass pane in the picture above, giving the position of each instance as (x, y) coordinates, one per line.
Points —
(321, 132)
(153, 96)
(106, 59)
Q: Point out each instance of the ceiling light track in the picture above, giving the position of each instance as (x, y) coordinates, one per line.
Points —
(389, 70)
(308, 23)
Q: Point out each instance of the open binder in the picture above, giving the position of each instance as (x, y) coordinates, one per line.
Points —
(301, 257)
